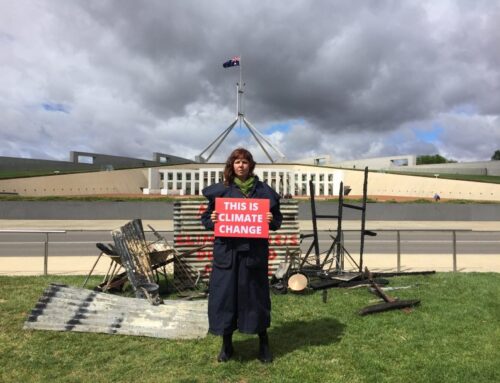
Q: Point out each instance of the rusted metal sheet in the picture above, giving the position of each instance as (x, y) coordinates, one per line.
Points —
(190, 233)
(65, 308)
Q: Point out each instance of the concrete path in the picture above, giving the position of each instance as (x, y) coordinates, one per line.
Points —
(167, 225)
(377, 262)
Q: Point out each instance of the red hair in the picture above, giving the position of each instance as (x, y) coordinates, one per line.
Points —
(237, 154)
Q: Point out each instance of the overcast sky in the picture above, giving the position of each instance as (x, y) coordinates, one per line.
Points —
(352, 79)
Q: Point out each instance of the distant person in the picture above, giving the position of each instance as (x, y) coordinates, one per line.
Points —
(436, 197)
(239, 287)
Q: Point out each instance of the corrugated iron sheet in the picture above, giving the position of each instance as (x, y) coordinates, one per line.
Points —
(190, 233)
(65, 308)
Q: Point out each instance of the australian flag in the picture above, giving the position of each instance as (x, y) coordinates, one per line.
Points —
(235, 61)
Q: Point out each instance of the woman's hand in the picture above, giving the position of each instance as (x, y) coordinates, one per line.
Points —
(269, 217)
(213, 216)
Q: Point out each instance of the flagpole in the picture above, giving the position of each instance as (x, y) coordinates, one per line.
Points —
(259, 137)
(241, 72)
(240, 94)
(240, 90)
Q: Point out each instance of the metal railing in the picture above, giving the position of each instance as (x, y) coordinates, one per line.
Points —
(453, 241)
(46, 242)
(398, 241)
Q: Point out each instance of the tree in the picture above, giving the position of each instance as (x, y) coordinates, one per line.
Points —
(432, 159)
(496, 155)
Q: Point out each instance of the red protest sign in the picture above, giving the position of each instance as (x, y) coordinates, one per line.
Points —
(241, 217)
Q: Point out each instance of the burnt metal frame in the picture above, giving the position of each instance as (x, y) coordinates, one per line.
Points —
(337, 245)
(190, 277)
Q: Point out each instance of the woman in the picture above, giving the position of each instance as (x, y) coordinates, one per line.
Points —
(239, 285)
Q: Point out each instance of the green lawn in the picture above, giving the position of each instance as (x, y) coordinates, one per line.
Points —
(468, 177)
(454, 336)
(6, 174)
(94, 198)
(459, 177)
(156, 198)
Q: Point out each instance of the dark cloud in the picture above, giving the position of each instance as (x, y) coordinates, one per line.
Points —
(139, 77)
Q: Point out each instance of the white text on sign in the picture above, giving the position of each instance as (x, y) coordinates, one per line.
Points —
(241, 217)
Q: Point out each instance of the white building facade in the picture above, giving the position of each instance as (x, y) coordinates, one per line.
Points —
(286, 179)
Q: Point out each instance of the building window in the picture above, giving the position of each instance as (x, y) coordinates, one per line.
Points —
(82, 159)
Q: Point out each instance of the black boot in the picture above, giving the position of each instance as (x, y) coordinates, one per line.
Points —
(227, 348)
(265, 355)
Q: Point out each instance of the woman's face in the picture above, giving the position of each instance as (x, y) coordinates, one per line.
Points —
(241, 168)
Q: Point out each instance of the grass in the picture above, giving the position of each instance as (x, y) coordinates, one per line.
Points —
(454, 336)
(467, 177)
(97, 198)
(404, 201)
(7, 174)
(156, 198)
(459, 177)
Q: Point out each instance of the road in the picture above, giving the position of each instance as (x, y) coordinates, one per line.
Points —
(82, 243)
(80, 210)
(75, 251)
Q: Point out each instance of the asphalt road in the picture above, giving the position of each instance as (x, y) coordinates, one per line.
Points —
(82, 243)
(78, 210)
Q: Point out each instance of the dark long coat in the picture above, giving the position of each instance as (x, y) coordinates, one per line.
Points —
(239, 285)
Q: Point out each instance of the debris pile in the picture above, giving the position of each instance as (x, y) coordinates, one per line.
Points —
(321, 271)
(65, 308)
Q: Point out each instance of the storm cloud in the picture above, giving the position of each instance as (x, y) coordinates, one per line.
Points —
(348, 79)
